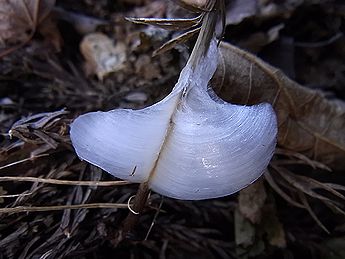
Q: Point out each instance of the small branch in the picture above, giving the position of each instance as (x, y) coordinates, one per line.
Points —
(205, 36)
(133, 218)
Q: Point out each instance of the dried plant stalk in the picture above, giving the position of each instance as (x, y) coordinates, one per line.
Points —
(64, 207)
(308, 122)
(62, 182)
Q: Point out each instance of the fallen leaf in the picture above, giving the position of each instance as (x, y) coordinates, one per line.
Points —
(102, 55)
(195, 5)
(146, 68)
(175, 41)
(50, 32)
(20, 18)
(274, 230)
(136, 97)
(308, 122)
(251, 201)
(239, 10)
(244, 230)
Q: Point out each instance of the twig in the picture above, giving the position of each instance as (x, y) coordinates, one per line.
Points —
(154, 218)
(62, 182)
(132, 219)
(63, 207)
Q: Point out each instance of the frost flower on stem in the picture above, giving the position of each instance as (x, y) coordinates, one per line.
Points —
(191, 145)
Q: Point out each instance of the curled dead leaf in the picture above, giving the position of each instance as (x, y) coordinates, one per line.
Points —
(308, 122)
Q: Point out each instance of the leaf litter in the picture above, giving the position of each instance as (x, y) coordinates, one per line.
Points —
(40, 82)
(20, 19)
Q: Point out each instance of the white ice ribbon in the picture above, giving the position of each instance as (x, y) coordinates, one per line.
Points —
(191, 145)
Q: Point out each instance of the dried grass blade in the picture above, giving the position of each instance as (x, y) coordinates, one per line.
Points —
(39, 120)
(168, 24)
(23, 161)
(175, 41)
(307, 185)
(63, 207)
(276, 188)
(334, 208)
(15, 195)
(335, 186)
(311, 212)
(314, 164)
(63, 182)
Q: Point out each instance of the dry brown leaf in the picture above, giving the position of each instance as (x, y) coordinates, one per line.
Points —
(196, 5)
(239, 10)
(308, 122)
(251, 201)
(102, 55)
(20, 18)
(175, 41)
(244, 230)
(273, 228)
